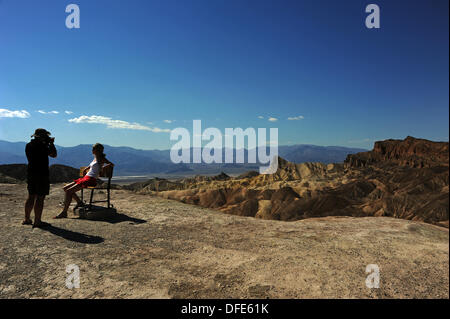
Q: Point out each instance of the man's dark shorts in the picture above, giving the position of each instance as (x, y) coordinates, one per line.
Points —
(38, 185)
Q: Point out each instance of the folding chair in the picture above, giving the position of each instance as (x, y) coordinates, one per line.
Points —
(106, 172)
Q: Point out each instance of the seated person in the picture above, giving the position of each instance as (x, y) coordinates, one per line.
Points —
(90, 175)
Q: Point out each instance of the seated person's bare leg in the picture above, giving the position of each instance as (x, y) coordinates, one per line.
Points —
(68, 199)
(67, 186)
(78, 200)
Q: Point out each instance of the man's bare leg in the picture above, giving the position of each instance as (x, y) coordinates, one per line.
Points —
(38, 207)
(29, 203)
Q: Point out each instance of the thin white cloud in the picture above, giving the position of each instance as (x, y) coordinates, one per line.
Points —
(260, 117)
(68, 112)
(116, 124)
(8, 113)
(168, 121)
(296, 118)
(272, 119)
(50, 112)
(159, 130)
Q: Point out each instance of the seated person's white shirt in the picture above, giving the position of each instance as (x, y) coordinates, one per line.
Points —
(94, 170)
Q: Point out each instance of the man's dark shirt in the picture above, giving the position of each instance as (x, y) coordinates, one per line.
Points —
(37, 155)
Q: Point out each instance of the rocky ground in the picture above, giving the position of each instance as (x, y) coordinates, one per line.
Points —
(159, 248)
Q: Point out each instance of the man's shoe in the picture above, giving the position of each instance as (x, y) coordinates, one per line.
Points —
(41, 225)
(27, 222)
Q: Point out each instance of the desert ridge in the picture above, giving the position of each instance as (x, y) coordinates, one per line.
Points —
(405, 179)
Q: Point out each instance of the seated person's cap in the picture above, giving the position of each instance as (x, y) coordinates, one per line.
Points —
(40, 132)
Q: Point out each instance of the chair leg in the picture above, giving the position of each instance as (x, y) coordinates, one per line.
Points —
(82, 200)
(108, 190)
(92, 196)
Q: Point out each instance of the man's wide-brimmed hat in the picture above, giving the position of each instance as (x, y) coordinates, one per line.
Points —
(40, 132)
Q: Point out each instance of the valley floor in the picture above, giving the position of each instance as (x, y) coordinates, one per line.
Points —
(158, 248)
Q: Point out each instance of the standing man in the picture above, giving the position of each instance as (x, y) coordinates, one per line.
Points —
(38, 151)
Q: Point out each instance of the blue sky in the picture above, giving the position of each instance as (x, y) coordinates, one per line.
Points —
(136, 69)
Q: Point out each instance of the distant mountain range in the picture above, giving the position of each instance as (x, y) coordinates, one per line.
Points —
(130, 161)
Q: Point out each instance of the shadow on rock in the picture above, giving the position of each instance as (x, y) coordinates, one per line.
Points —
(73, 236)
(109, 215)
